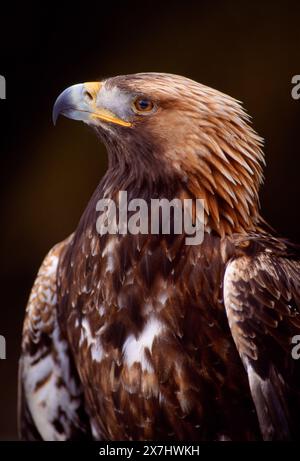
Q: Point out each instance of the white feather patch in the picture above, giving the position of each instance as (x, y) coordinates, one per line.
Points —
(134, 348)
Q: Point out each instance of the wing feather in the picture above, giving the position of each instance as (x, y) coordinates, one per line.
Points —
(50, 395)
(261, 296)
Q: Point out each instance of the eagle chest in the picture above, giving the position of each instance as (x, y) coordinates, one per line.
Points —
(148, 328)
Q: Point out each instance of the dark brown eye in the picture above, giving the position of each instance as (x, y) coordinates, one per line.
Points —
(143, 105)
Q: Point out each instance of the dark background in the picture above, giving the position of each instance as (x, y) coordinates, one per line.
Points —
(249, 50)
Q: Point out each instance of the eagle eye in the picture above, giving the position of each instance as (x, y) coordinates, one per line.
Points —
(142, 105)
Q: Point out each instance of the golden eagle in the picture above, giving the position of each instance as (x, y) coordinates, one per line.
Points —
(142, 337)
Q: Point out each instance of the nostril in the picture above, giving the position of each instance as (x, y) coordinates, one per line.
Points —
(88, 95)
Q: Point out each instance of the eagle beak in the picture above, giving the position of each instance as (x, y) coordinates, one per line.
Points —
(79, 102)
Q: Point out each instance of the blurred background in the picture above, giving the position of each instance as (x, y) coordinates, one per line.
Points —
(249, 50)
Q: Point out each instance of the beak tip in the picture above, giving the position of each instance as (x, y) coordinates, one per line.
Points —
(61, 104)
(54, 119)
(56, 111)
(68, 103)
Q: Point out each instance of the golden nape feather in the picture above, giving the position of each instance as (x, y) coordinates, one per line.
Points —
(140, 336)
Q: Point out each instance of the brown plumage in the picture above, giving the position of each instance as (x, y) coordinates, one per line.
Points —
(143, 337)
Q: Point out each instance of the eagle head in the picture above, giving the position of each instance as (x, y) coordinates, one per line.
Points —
(167, 129)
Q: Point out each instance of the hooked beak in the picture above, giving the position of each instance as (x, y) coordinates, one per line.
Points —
(79, 102)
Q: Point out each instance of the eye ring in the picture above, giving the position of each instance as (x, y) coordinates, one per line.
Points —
(142, 105)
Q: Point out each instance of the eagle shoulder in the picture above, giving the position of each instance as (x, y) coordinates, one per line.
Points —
(261, 296)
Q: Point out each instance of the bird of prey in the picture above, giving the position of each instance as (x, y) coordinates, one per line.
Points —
(141, 336)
